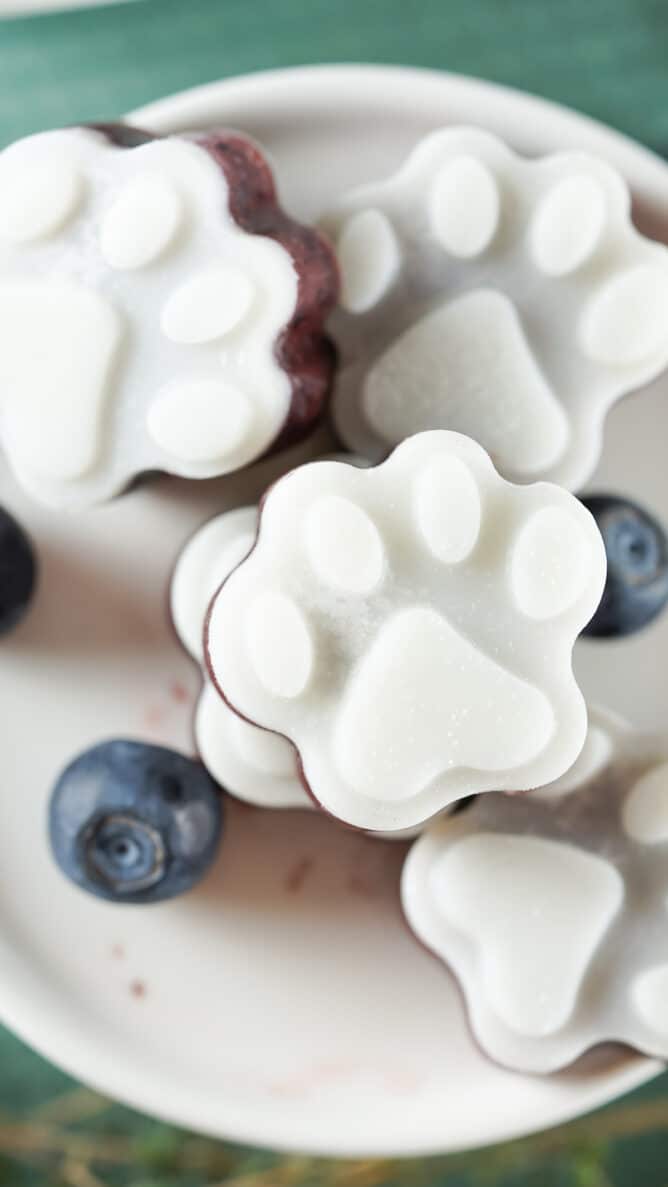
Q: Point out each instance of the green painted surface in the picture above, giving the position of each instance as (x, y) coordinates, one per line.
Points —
(608, 58)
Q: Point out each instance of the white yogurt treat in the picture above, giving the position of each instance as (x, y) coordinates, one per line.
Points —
(252, 764)
(406, 629)
(153, 299)
(508, 299)
(551, 911)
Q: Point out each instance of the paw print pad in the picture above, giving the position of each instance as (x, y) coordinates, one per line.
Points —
(552, 909)
(505, 298)
(158, 310)
(252, 764)
(409, 629)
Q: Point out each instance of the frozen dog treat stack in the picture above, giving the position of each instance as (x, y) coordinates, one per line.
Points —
(159, 311)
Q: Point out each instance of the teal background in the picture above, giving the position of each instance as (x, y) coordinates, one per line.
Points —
(605, 57)
(608, 58)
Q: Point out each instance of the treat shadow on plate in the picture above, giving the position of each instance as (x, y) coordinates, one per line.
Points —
(600, 1062)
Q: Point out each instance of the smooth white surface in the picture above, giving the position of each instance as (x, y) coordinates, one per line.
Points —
(216, 548)
(344, 546)
(207, 306)
(551, 564)
(252, 764)
(437, 667)
(199, 420)
(369, 258)
(535, 911)
(567, 225)
(447, 509)
(279, 643)
(261, 1020)
(464, 206)
(482, 325)
(37, 198)
(626, 321)
(552, 915)
(579, 318)
(123, 359)
(141, 222)
(61, 349)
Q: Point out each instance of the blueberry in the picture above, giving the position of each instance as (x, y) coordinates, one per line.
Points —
(636, 588)
(134, 823)
(17, 572)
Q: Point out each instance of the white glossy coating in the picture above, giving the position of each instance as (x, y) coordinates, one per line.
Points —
(133, 257)
(550, 909)
(448, 510)
(408, 388)
(200, 421)
(55, 398)
(369, 259)
(536, 912)
(279, 644)
(207, 306)
(344, 546)
(37, 198)
(141, 223)
(249, 763)
(625, 324)
(423, 700)
(252, 764)
(579, 315)
(464, 206)
(408, 673)
(207, 559)
(550, 564)
(568, 224)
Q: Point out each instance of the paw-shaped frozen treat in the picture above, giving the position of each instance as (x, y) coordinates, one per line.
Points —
(159, 311)
(409, 629)
(509, 299)
(250, 763)
(552, 911)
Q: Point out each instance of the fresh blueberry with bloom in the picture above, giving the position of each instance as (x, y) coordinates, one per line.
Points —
(18, 572)
(135, 823)
(636, 588)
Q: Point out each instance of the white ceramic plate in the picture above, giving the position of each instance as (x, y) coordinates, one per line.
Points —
(284, 1003)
